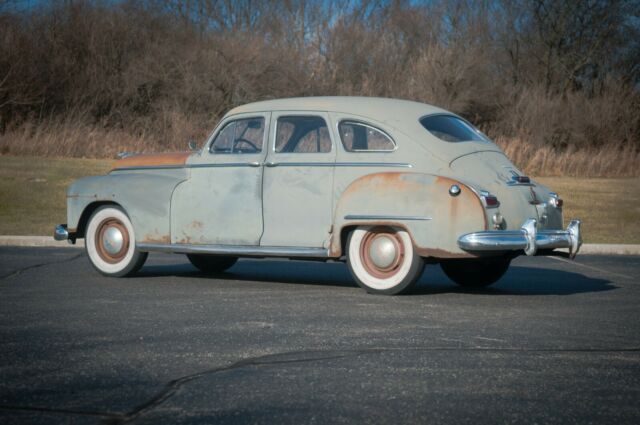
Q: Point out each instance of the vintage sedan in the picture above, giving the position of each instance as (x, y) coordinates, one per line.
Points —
(385, 185)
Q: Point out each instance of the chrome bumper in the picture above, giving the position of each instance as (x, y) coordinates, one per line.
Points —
(527, 239)
(60, 233)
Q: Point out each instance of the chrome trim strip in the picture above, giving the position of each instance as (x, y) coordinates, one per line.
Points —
(374, 164)
(515, 183)
(527, 239)
(225, 165)
(268, 164)
(340, 164)
(175, 167)
(386, 217)
(239, 250)
(149, 167)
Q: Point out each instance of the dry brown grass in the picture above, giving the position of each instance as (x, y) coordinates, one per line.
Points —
(591, 162)
(609, 208)
(74, 138)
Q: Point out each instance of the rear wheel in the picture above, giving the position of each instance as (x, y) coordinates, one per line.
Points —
(475, 273)
(382, 260)
(110, 243)
(211, 263)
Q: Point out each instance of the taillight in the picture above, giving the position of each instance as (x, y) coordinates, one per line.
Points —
(489, 200)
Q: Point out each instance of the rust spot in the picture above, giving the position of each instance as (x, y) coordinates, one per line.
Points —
(184, 240)
(147, 160)
(157, 239)
(197, 224)
(381, 182)
(467, 199)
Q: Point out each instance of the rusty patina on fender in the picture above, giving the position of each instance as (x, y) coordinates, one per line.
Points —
(417, 202)
(152, 160)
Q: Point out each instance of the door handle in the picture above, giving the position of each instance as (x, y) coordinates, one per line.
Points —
(271, 164)
(253, 164)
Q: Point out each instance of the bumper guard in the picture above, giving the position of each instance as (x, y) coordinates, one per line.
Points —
(61, 233)
(527, 239)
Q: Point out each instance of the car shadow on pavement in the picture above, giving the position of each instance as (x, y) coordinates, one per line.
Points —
(519, 280)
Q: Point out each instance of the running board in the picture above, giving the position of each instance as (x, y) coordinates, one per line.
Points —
(237, 250)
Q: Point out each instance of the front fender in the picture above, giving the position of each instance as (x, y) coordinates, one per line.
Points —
(145, 197)
(417, 202)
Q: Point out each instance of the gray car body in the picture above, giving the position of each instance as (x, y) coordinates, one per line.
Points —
(305, 203)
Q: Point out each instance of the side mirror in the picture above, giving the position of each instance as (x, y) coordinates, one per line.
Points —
(193, 146)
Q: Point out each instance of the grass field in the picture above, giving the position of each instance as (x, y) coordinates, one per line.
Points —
(32, 198)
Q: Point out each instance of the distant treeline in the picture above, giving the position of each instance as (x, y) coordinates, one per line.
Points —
(550, 80)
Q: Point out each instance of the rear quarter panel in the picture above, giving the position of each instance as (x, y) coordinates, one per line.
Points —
(422, 205)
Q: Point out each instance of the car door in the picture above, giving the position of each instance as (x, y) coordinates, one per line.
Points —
(221, 202)
(298, 180)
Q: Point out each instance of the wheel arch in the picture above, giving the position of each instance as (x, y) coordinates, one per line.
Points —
(88, 211)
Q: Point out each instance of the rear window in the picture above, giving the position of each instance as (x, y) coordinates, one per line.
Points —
(452, 129)
(359, 137)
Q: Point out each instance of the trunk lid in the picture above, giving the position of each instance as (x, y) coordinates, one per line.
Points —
(492, 171)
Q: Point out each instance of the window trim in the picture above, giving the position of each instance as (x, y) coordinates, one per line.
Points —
(277, 124)
(486, 138)
(233, 119)
(371, 126)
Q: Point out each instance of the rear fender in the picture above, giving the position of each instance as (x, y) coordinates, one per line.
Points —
(419, 203)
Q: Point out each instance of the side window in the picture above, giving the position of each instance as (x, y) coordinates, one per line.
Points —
(359, 137)
(240, 136)
(302, 134)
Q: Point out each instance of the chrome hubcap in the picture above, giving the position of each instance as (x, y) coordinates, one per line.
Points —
(383, 252)
(113, 240)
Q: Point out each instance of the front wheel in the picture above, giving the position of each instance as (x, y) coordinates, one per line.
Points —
(382, 260)
(211, 263)
(110, 243)
(475, 273)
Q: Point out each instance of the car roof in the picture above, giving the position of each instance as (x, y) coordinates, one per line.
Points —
(377, 108)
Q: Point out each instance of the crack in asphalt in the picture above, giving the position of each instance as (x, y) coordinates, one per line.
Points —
(35, 266)
(59, 411)
(169, 389)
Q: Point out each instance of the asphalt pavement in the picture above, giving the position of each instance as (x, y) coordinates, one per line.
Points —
(292, 342)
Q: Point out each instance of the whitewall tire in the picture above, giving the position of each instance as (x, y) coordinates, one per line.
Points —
(382, 260)
(110, 242)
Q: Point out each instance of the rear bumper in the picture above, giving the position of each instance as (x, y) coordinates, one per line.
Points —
(527, 239)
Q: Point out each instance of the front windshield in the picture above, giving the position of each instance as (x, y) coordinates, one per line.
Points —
(452, 129)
